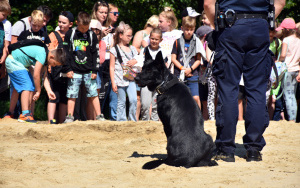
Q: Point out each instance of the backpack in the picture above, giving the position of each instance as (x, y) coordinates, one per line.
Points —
(28, 42)
(59, 39)
(72, 37)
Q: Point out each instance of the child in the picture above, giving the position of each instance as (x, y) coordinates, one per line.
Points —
(121, 85)
(186, 56)
(24, 23)
(80, 43)
(5, 10)
(148, 98)
(36, 23)
(30, 88)
(290, 54)
(207, 86)
(168, 24)
(55, 85)
(96, 27)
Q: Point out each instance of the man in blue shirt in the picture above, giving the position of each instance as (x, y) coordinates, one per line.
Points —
(242, 47)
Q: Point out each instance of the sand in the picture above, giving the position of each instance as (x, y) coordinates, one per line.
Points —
(111, 154)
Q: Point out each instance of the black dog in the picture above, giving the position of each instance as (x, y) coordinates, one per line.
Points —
(187, 143)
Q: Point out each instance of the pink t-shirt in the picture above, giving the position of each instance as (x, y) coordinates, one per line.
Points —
(293, 53)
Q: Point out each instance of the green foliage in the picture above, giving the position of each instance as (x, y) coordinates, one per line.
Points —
(133, 12)
(291, 10)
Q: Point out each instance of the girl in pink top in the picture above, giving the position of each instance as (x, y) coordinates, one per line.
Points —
(290, 54)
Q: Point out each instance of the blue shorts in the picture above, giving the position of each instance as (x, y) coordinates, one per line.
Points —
(75, 82)
(194, 85)
(20, 77)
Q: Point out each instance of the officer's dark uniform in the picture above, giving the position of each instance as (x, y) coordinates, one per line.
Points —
(243, 48)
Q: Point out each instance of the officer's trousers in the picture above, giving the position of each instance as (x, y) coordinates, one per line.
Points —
(242, 48)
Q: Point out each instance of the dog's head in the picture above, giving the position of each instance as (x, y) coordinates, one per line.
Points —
(153, 72)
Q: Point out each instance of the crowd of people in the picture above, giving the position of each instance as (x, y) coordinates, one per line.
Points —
(102, 57)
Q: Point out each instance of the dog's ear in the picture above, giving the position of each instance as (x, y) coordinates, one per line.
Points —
(159, 58)
(147, 55)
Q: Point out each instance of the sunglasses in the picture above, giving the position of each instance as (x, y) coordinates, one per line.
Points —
(115, 13)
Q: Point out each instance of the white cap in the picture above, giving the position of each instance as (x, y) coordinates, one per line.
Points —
(95, 24)
(192, 12)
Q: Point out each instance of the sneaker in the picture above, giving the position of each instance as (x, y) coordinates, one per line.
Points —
(100, 117)
(53, 121)
(69, 119)
(26, 118)
(8, 115)
(224, 156)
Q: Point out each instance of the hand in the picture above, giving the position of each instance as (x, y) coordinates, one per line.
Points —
(49, 68)
(131, 63)
(106, 31)
(51, 95)
(93, 76)
(188, 71)
(70, 74)
(298, 78)
(114, 87)
(2, 60)
(36, 95)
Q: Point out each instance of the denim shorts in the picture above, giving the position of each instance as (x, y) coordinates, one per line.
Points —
(75, 82)
(193, 85)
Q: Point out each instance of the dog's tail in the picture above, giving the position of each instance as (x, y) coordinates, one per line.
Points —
(152, 164)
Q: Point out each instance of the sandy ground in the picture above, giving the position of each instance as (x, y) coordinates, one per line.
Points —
(111, 154)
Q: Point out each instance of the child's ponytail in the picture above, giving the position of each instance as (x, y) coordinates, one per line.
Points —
(170, 15)
(121, 29)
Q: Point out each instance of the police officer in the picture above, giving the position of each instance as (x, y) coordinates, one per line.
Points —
(242, 47)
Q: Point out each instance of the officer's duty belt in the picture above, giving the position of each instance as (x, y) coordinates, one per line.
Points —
(248, 16)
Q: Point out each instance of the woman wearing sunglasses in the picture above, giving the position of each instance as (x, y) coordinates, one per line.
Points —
(113, 16)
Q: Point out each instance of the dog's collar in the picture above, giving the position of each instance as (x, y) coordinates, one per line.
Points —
(165, 85)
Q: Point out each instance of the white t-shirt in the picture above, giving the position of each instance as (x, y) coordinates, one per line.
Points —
(108, 39)
(141, 57)
(18, 27)
(293, 53)
(167, 43)
(7, 30)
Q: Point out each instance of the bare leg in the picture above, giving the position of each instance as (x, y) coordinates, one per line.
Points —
(138, 105)
(96, 104)
(51, 111)
(13, 101)
(271, 107)
(71, 106)
(241, 110)
(26, 100)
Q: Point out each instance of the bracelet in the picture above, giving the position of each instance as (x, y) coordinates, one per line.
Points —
(192, 69)
(181, 67)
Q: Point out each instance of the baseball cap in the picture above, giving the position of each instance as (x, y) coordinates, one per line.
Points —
(95, 24)
(189, 11)
(68, 14)
(201, 31)
(287, 23)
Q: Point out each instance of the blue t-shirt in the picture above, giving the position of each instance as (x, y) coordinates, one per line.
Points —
(37, 52)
